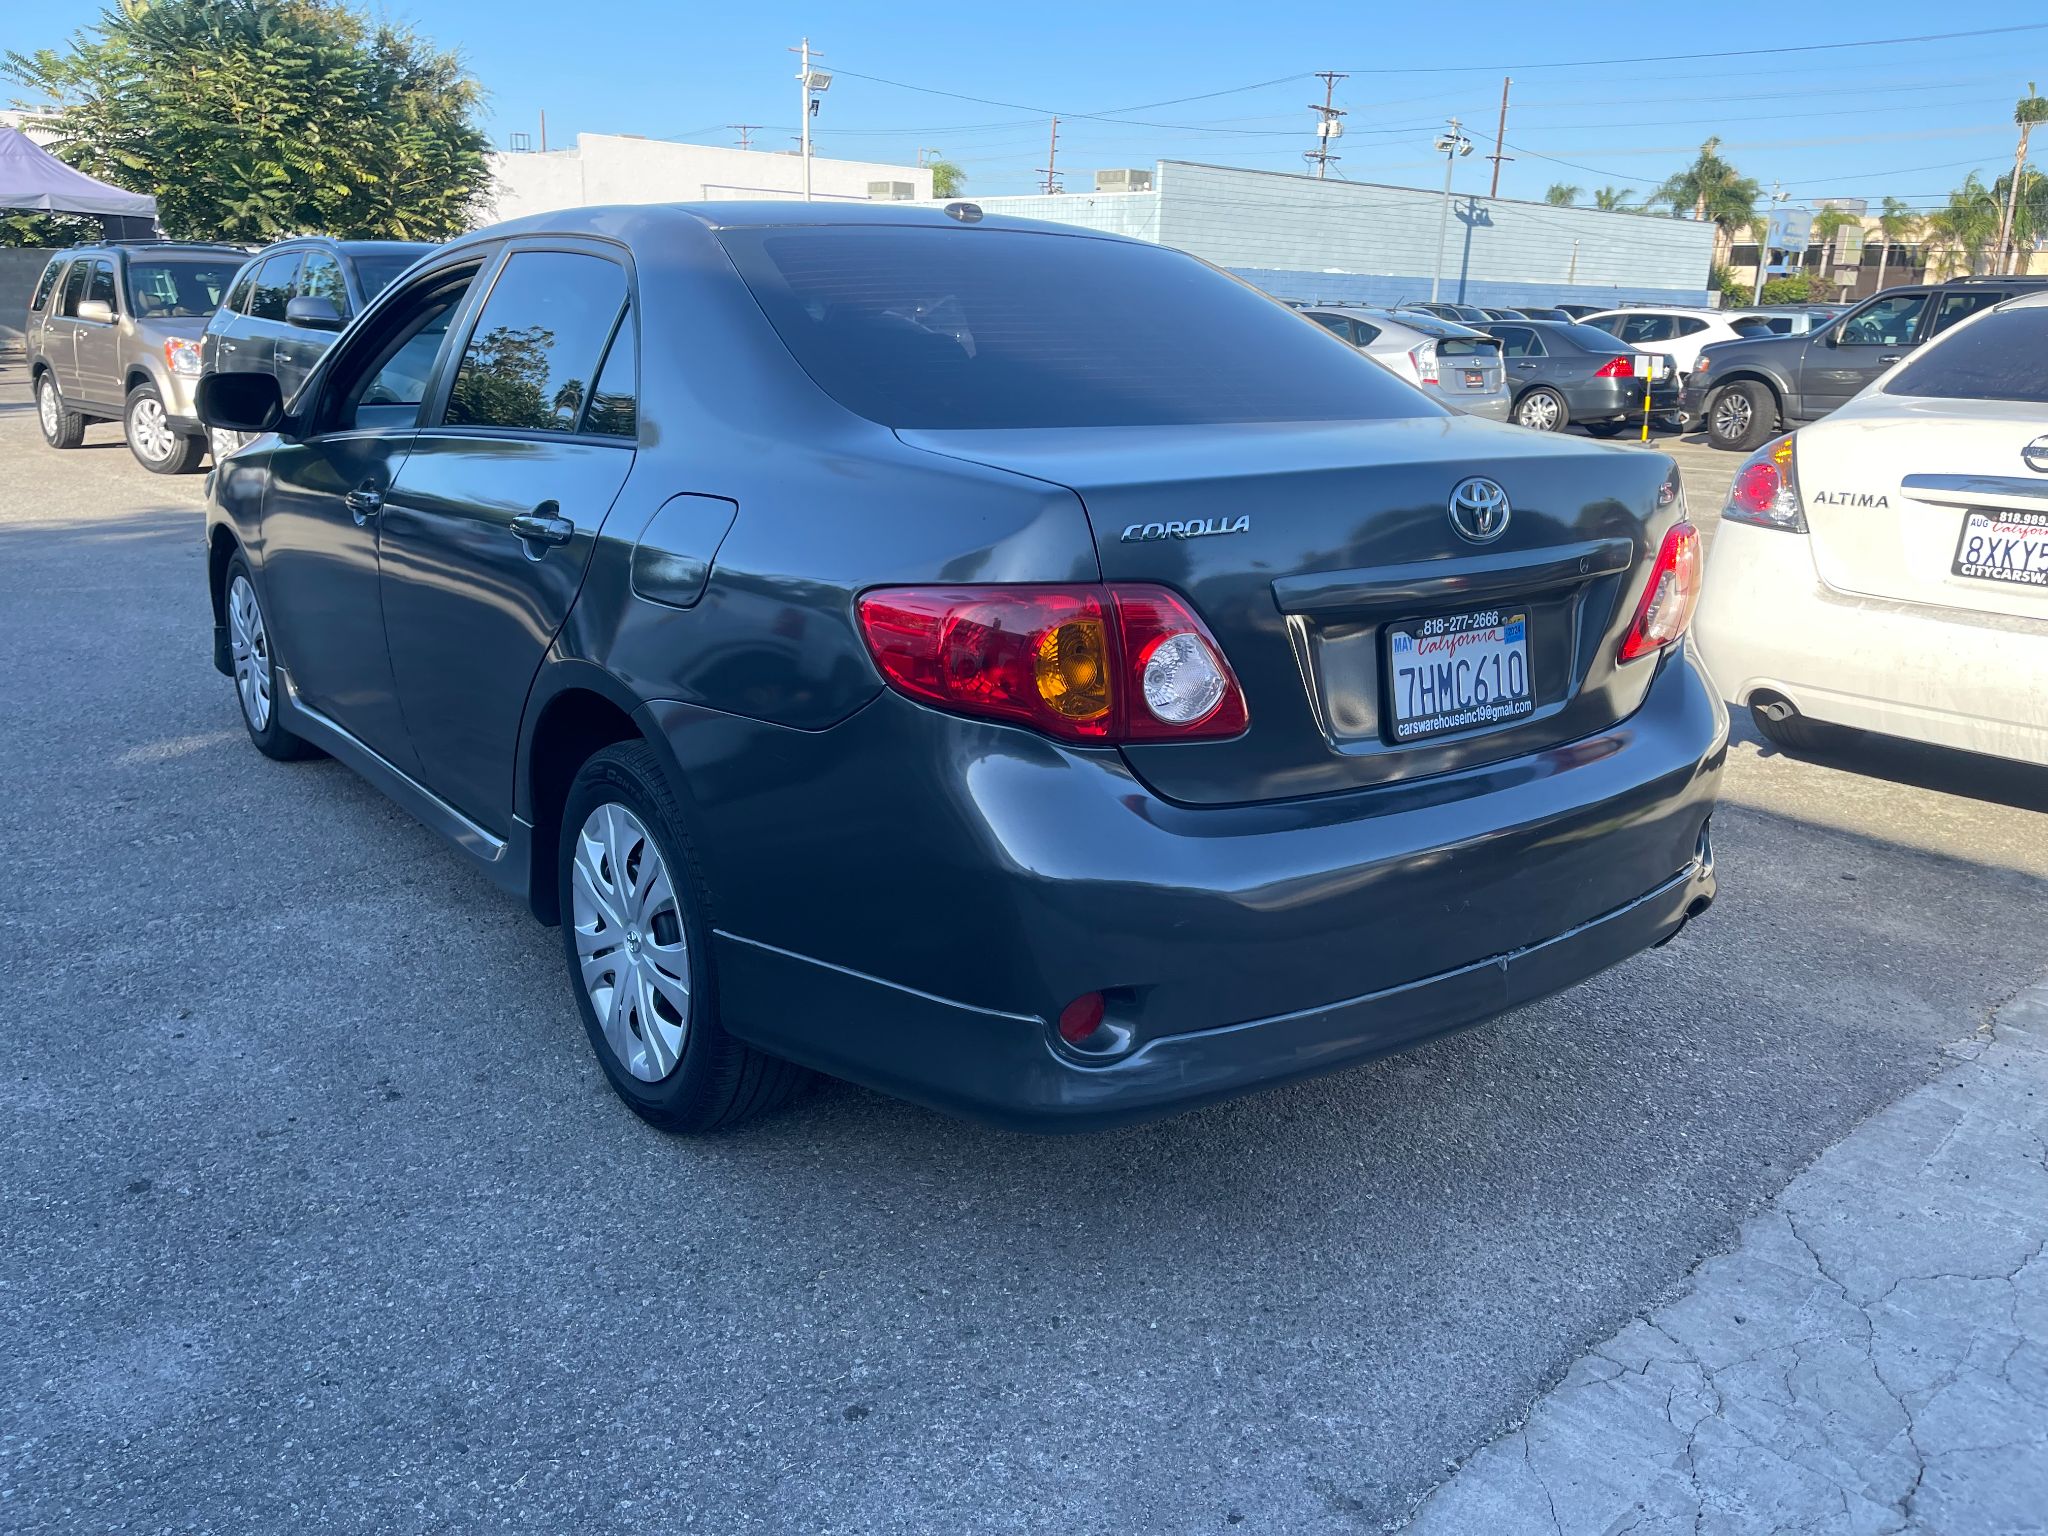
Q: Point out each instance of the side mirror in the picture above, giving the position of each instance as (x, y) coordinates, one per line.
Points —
(313, 312)
(95, 309)
(241, 402)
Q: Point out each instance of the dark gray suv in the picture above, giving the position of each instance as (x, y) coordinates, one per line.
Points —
(290, 301)
(1018, 668)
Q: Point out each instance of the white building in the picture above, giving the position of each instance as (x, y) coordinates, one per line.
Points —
(624, 168)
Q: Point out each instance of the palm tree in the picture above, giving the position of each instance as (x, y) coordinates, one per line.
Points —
(2030, 109)
(1613, 199)
(2029, 209)
(1714, 190)
(1899, 224)
(1828, 223)
(1967, 225)
(1562, 194)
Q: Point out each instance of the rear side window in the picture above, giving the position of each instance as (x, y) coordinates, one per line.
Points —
(533, 355)
(74, 287)
(1518, 341)
(1747, 325)
(1337, 325)
(959, 328)
(1998, 358)
(274, 287)
(45, 284)
(1960, 306)
(320, 278)
(1364, 332)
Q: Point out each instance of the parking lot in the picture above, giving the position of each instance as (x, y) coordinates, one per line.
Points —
(319, 1212)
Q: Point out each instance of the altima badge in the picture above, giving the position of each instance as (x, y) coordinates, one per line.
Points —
(1193, 528)
(1479, 510)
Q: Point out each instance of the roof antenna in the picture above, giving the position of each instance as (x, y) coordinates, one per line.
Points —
(966, 213)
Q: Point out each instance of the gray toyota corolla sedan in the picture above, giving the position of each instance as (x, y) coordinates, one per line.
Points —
(1020, 669)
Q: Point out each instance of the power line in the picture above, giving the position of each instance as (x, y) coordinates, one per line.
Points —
(1725, 53)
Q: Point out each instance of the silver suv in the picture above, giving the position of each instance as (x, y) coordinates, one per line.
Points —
(113, 335)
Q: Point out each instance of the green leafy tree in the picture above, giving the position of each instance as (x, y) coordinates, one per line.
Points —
(947, 178)
(1562, 194)
(2027, 212)
(1827, 224)
(248, 120)
(46, 230)
(2029, 112)
(1713, 190)
(1966, 226)
(1899, 225)
(503, 381)
(1613, 199)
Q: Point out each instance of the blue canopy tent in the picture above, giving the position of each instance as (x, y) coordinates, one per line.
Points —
(33, 179)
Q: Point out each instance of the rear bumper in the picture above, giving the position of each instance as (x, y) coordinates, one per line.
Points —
(1768, 625)
(921, 923)
(1497, 407)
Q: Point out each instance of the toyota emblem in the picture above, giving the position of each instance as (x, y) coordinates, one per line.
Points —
(1479, 510)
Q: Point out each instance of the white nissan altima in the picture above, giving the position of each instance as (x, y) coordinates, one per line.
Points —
(1887, 568)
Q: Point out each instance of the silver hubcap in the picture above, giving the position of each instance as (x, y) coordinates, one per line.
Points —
(1540, 412)
(1731, 415)
(250, 643)
(630, 945)
(148, 430)
(51, 409)
(223, 443)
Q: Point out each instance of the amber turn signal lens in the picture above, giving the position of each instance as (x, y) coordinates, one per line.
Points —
(1072, 669)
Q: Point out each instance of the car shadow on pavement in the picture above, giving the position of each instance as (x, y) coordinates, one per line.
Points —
(1945, 770)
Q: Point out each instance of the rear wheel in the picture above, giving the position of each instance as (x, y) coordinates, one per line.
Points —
(1741, 416)
(1781, 724)
(62, 426)
(638, 949)
(1543, 410)
(159, 447)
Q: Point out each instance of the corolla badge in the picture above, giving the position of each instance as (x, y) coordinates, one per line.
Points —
(1190, 528)
(1479, 510)
(2036, 455)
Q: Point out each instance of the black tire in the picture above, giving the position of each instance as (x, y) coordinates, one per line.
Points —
(1543, 409)
(62, 426)
(259, 661)
(182, 451)
(1741, 417)
(1605, 428)
(1796, 733)
(716, 1081)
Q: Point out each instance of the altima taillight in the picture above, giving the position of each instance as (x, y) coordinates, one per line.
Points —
(1672, 594)
(1112, 663)
(1765, 490)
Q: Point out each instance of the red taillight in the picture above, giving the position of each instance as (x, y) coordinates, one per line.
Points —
(1124, 662)
(1672, 594)
(1622, 366)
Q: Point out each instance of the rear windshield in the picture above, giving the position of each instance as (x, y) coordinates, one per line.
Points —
(1468, 346)
(181, 288)
(943, 328)
(1750, 325)
(376, 272)
(1592, 339)
(1995, 358)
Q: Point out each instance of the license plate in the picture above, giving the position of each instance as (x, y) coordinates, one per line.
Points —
(2004, 546)
(1457, 671)
(1474, 379)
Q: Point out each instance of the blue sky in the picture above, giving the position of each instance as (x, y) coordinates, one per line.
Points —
(1909, 120)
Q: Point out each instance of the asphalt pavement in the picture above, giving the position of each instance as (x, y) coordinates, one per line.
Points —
(316, 1213)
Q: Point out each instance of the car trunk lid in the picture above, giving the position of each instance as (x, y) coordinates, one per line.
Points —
(1304, 546)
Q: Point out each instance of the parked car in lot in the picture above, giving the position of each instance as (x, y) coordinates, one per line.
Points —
(1888, 568)
(1562, 374)
(113, 335)
(1460, 365)
(1745, 392)
(1460, 314)
(1780, 321)
(1677, 333)
(289, 301)
(1015, 667)
(1580, 311)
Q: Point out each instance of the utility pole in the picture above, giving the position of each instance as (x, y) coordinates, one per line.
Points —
(1452, 146)
(1329, 123)
(1050, 170)
(746, 133)
(1499, 138)
(1763, 244)
(543, 130)
(812, 83)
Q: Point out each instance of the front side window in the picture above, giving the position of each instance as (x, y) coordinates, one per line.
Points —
(274, 287)
(1997, 358)
(320, 278)
(46, 284)
(962, 328)
(100, 285)
(378, 379)
(1886, 322)
(1611, 324)
(179, 289)
(244, 285)
(533, 354)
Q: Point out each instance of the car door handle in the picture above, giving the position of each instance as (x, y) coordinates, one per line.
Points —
(544, 525)
(364, 502)
(1525, 367)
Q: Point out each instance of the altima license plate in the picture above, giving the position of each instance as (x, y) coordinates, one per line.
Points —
(1457, 671)
(2004, 546)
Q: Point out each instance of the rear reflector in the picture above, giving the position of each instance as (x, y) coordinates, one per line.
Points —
(1672, 594)
(1122, 662)
(1081, 1018)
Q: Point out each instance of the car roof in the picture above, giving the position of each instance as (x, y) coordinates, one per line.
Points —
(152, 247)
(629, 221)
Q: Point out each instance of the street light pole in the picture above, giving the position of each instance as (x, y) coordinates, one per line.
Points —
(1763, 252)
(811, 82)
(1451, 145)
